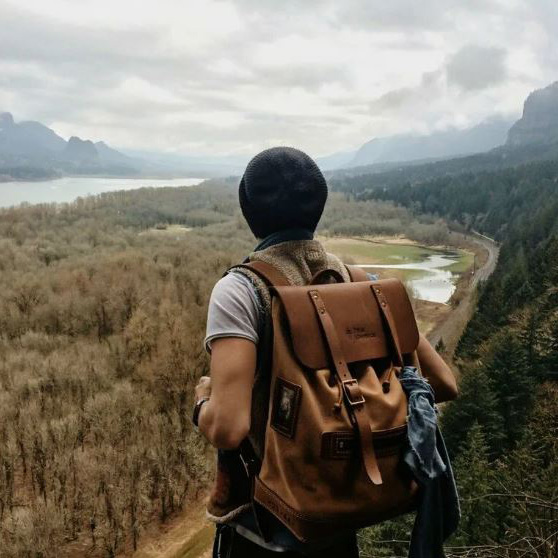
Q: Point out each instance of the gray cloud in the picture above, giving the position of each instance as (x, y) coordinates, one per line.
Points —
(320, 74)
(477, 67)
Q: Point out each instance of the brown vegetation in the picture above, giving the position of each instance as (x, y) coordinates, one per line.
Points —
(101, 331)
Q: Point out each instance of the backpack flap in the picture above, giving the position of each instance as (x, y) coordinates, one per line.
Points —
(357, 318)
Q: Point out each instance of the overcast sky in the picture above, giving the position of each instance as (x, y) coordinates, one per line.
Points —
(233, 77)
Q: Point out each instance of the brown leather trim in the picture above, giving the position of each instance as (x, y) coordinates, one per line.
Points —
(270, 274)
(308, 528)
(357, 274)
(354, 400)
(390, 441)
(342, 444)
(390, 322)
(357, 316)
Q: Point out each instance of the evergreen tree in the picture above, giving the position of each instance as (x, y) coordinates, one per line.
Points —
(477, 403)
(513, 382)
(475, 482)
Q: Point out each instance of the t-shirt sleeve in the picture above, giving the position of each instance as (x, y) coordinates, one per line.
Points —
(233, 311)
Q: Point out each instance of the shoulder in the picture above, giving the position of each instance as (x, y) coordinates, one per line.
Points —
(234, 291)
(232, 283)
(233, 310)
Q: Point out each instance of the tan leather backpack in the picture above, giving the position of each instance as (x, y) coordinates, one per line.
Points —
(337, 418)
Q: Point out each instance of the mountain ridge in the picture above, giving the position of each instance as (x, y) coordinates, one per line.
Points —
(33, 147)
(444, 144)
(539, 121)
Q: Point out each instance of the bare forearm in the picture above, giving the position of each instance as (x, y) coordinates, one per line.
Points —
(223, 430)
(434, 367)
(225, 418)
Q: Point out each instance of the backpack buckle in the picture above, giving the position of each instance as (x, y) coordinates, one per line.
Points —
(352, 392)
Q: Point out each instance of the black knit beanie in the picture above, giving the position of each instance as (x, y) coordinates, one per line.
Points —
(282, 188)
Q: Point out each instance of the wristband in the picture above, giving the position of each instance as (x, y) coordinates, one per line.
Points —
(197, 409)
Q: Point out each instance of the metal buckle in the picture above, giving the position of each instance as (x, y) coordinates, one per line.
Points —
(347, 391)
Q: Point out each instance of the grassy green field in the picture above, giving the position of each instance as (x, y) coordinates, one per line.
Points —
(168, 230)
(367, 252)
(464, 262)
(353, 250)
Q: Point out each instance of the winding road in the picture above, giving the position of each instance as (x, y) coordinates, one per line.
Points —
(450, 329)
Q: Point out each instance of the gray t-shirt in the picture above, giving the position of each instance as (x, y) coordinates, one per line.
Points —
(234, 310)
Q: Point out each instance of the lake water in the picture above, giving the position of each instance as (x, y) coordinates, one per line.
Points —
(435, 283)
(67, 189)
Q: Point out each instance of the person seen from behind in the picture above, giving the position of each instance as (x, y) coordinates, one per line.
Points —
(282, 196)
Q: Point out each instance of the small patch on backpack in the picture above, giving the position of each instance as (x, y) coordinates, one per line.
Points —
(286, 401)
(337, 445)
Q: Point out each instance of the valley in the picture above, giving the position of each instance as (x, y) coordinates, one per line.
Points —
(103, 314)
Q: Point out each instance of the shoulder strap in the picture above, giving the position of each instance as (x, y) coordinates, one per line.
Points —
(357, 274)
(269, 273)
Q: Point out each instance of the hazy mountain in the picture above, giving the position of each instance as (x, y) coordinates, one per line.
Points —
(539, 123)
(110, 155)
(28, 139)
(438, 145)
(80, 151)
(32, 149)
(335, 160)
(33, 146)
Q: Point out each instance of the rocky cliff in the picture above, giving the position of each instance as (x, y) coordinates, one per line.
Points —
(539, 123)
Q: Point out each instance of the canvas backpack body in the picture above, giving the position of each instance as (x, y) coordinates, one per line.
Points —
(336, 428)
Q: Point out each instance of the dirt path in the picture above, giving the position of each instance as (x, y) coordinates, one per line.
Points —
(188, 535)
(451, 328)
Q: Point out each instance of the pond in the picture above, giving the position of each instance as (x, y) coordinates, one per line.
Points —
(432, 281)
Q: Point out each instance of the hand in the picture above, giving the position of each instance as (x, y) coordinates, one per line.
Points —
(203, 389)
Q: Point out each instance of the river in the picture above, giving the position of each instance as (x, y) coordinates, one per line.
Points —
(435, 283)
(67, 189)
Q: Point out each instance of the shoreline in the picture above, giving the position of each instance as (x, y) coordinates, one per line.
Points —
(106, 177)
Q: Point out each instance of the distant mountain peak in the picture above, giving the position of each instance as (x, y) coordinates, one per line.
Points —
(81, 150)
(539, 123)
(443, 144)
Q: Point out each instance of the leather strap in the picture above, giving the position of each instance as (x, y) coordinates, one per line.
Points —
(383, 305)
(357, 274)
(354, 400)
(269, 273)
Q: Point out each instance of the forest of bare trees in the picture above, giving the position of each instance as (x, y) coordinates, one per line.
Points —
(101, 328)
